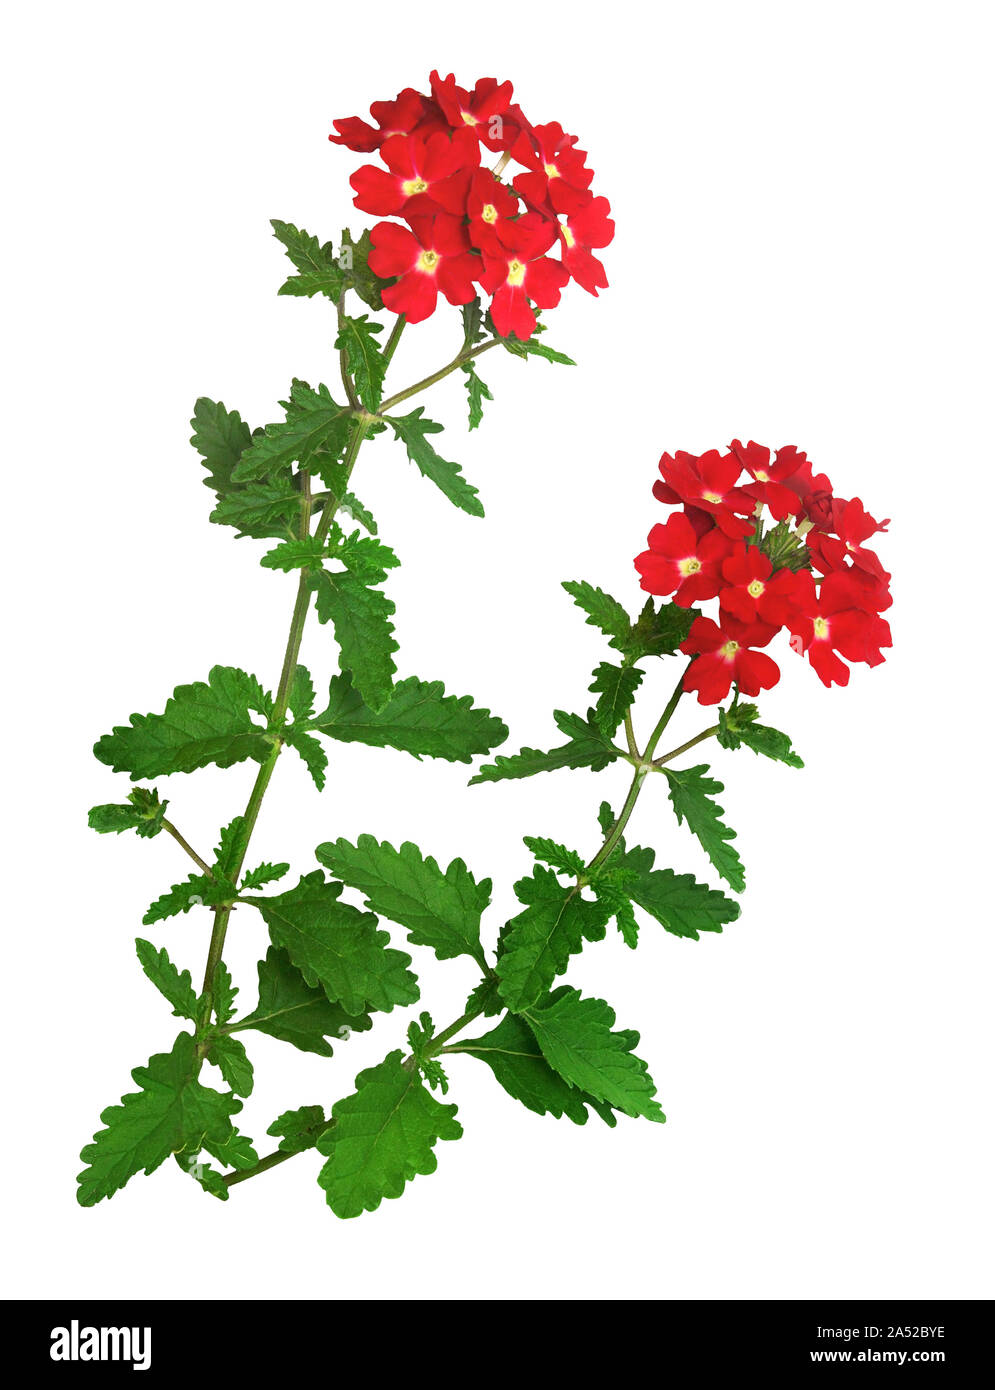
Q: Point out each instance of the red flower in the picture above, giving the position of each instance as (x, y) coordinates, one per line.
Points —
(678, 562)
(483, 109)
(591, 226)
(768, 484)
(853, 526)
(725, 656)
(489, 206)
(834, 620)
(523, 272)
(434, 255)
(709, 484)
(424, 175)
(752, 591)
(556, 171)
(399, 117)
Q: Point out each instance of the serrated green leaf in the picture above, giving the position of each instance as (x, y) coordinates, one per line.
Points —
(299, 1130)
(365, 635)
(534, 347)
(353, 509)
(298, 1013)
(615, 687)
(173, 985)
(142, 813)
(265, 873)
(657, 631)
(587, 747)
(691, 793)
(314, 422)
(540, 941)
(681, 904)
(738, 726)
(473, 323)
(202, 723)
(382, 1137)
(338, 947)
(235, 1152)
(196, 891)
(419, 718)
(319, 271)
(448, 477)
(220, 436)
(565, 861)
(602, 610)
(355, 260)
(230, 1057)
(264, 510)
(438, 910)
(576, 1040)
(223, 992)
(516, 1059)
(477, 392)
(294, 554)
(314, 756)
(363, 556)
(171, 1113)
(302, 697)
(364, 357)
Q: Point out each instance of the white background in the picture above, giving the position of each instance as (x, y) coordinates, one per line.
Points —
(802, 195)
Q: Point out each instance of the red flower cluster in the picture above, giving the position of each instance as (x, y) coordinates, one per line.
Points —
(465, 224)
(812, 574)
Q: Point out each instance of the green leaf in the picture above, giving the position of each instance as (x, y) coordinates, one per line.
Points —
(221, 437)
(314, 422)
(438, 910)
(477, 392)
(565, 861)
(143, 813)
(681, 904)
(170, 983)
(691, 792)
(355, 261)
(294, 555)
(364, 633)
(318, 266)
(419, 718)
(352, 508)
(363, 556)
(299, 1129)
(364, 357)
(171, 1113)
(473, 323)
(382, 1137)
(413, 430)
(738, 726)
(540, 941)
(235, 1152)
(576, 1039)
(516, 1059)
(602, 610)
(266, 873)
(261, 510)
(295, 1012)
(201, 724)
(196, 891)
(224, 992)
(314, 756)
(302, 696)
(587, 747)
(232, 1060)
(534, 347)
(338, 947)
(657, 631)
(616, 688)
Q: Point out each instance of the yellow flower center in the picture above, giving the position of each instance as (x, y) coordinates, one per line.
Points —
(551, 171)
(714, 497)
(761, 477)
(516, 273)
(821, 628)
(489, 212)
(687, 567)
(412, 186)
(568, 236)
(729, 650)
(427, 262)
(755, 589)
(468, 119)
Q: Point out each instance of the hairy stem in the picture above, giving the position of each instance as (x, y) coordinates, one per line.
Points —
(460, 360)
(202, 864)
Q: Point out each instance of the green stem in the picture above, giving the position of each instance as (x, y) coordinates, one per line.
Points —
(460, 360)
(272, 1160)
(202, 864)
(676, 752)
(390, 347)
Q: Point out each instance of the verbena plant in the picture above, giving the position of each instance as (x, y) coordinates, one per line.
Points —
(774, 547)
